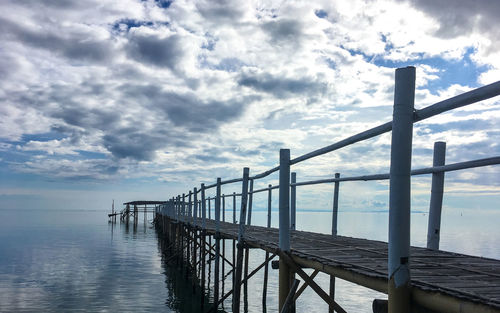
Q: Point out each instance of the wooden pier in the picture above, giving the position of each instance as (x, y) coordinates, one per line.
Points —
(441, 281)
(415, 279)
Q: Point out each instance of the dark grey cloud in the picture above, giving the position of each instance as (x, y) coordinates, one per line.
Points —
(186, 110)
(153, 50)
(68, 43)
(284, 31)
(283, 87)
(221, 11)
(461, 17)
(132, 143)
(57, 4)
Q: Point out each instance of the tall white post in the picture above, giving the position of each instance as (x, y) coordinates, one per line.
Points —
(234, 207)
(209, 209)
(434, 226)
(195, 208)
(269, 200)
(217, 240)
(335, 212)
(183, 207)
(241, 235)
(293, 202)
(217, 205)
(399, 191)
(250, 203)
(190, 206)
(284, 224)
(335, 205)
(203, 207)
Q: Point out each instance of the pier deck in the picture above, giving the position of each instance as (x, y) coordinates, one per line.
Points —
(467, 283)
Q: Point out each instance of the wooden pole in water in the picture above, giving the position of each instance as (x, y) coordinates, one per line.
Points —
(334, 232)
(434, 225)
(284, 224)
(241, 234)
(399, 192)
(266, 267)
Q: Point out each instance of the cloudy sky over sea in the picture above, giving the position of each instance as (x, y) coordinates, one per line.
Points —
(145, 99)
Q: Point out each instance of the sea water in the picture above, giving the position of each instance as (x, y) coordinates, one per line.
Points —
(75, 261)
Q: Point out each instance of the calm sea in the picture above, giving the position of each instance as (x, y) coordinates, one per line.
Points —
(68, 261)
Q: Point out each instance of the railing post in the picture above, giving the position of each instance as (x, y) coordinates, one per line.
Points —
(223, 207)
(241, 234)
(217, 240)
(293, 202)
(250, 203)
(284, 224)
(266, 267)
(183, 207)
(433, 228)
(269, 201)
(399, 191)
(203, 207)
(178, 207)
(195, 206)
(209, 209)
(334, 231)
(234, 207)
(335, 205)
(190, 206)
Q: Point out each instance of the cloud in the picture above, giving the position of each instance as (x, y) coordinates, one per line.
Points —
(79, 43)
(284, 31)
(153, 50)
(464, 18)
(283, 87)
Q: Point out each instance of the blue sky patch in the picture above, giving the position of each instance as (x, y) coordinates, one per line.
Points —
(321, 13)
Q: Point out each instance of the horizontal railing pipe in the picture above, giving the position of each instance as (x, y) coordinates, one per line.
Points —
(469, 97)
(420, 171)
(266, 173)
(367, 134)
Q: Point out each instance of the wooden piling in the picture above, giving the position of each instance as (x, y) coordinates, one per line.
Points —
(284, 224)
(399, 192)
(436, 203)
(217, 240)
(266, 266)
(334, 231)
(241, 234)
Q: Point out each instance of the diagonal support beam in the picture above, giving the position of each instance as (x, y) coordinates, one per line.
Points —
(311, 282)
(287, 306)
(304, 286)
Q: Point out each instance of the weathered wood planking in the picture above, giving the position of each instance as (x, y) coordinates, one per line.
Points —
(472, 278)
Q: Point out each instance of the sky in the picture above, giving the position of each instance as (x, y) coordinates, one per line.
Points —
(130, 99)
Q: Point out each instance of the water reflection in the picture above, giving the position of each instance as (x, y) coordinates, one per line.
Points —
(53, 261)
